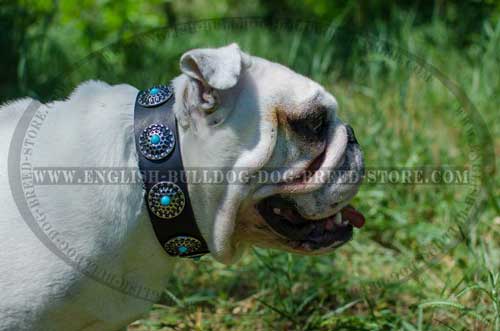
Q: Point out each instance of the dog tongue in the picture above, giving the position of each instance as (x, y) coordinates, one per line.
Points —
(353, 216)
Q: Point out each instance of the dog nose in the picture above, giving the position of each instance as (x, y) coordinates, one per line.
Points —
(351, 137)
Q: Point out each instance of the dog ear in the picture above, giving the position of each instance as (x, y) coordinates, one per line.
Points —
(218, 68)
(212, 69)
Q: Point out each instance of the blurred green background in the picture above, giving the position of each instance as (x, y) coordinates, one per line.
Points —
(37, 35)
(404, 117)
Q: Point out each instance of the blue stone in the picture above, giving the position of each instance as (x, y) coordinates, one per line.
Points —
(183, 249)
(154, 90)
(155, 139)
(165, 200)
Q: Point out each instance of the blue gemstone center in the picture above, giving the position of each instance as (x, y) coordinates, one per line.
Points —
(183, 249)
(154, 90)
(165, 200)
(155, 139)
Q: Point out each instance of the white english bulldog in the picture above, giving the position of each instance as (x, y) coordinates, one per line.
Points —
(234, 111)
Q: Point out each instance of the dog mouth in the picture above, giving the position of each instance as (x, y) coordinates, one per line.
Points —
(308, 235)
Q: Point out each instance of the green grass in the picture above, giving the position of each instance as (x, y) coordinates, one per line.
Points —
(402, 120)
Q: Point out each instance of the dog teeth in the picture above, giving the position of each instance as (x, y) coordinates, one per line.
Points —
(338, 219)
(277, 211)
(306, 246)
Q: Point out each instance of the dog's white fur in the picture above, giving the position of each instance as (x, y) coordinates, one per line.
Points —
(228, 104)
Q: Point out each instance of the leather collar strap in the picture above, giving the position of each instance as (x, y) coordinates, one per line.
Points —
(160, 163)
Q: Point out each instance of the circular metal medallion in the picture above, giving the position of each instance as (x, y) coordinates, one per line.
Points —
(182, 246)
(155, 95)
(166, 200)
(156, 142)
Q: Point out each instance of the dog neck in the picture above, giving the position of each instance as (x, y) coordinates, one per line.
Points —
(165, 181)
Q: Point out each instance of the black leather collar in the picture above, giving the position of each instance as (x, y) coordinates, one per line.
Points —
(160, 163)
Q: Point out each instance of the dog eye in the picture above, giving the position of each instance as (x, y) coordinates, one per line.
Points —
(317, 124)
(312, 126)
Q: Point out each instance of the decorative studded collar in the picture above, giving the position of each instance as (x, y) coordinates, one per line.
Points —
(160, 163)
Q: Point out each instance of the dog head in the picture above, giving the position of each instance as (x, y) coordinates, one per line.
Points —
(294, 164)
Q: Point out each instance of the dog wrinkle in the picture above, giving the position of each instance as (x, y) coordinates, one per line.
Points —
(281, 115)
